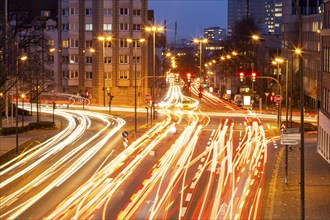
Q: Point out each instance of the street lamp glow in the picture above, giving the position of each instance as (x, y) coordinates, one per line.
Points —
(298, 51)
(23, 58)
(228, 56)
(92, 50)
(279, 60)
(51, 50)
(155, 28)
(234, 53)
(103, 38)
(255, 37)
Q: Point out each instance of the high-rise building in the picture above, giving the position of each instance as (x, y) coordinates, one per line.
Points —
(214, 33)
(237, 10)
(267, 14)
(92, 53)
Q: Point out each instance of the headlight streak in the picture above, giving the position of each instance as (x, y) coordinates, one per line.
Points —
(106, 191)
(84, 158)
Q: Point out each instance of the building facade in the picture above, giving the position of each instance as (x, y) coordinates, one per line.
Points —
(214, 33)
(267, 14)
(312, 21)
(323, 145)
(92, 54)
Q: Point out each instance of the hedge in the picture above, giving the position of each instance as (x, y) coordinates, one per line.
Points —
(29, 127)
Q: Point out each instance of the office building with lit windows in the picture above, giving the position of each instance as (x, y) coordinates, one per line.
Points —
(92, 54)
(267, 14)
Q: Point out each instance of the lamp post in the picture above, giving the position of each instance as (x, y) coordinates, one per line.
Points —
(23, 97)
(103, 39)
(23, 58)
(200, 42)
(288, 99)
(154, 29)
(135, 44)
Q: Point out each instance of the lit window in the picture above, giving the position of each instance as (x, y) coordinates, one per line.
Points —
(51, 42)
(89, 27)
(107, 27)
(65, 43)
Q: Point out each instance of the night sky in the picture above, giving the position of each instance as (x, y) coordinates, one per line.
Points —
(192, 16)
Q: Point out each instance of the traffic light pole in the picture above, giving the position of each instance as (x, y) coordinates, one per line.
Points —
(279, 107)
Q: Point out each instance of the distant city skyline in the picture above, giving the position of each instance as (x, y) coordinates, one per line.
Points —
(192, 16)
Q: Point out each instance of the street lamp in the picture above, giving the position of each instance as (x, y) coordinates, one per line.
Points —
(135, 44)
(23, 97)
(200, 42)
(277, 62)
(297, 51)
(103, 39)
(22, 58)
(154, 29)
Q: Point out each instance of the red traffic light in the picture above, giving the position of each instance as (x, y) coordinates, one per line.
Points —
(189, 74)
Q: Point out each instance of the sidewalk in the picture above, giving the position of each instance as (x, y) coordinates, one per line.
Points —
(283, 201)
(8, 142)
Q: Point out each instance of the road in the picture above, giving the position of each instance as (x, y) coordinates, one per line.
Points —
(204, 160)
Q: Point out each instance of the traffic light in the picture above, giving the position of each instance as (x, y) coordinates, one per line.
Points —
(241, 76)
(272, 98)
(253, 76)
(177, 77)
(188, 77)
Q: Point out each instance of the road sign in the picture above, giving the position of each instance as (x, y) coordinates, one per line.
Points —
(125, 142)
(290, 130)
(289, 142)
(278, 98)
(147, 98)
(294, 136)
(125, 134)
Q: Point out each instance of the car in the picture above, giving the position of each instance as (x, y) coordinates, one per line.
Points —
(188, 104)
